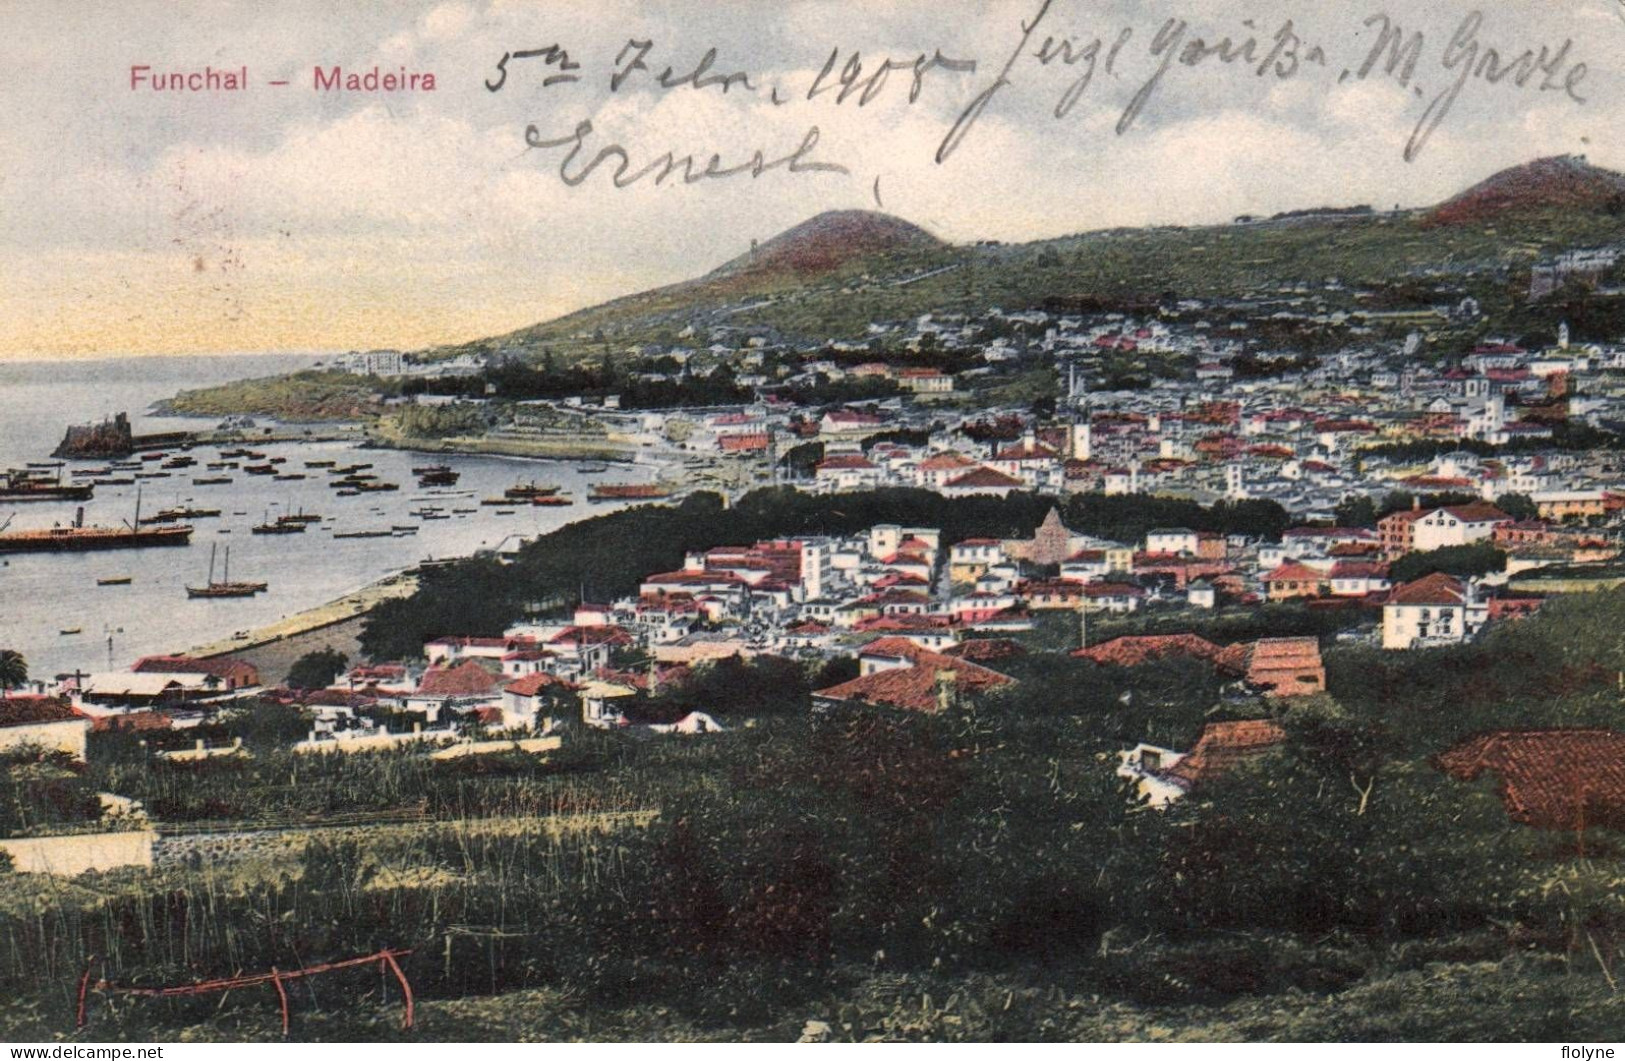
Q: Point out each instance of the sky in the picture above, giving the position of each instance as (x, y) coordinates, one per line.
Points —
(288, 218)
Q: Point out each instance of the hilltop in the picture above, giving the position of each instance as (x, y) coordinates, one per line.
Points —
(1563, 182)
(826, 243)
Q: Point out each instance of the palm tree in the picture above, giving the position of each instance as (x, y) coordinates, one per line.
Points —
(13, 669)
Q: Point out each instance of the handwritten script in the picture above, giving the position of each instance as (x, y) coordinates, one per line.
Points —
(1041, 55)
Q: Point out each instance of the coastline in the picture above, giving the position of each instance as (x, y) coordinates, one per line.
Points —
(350, 608)
(554, 450)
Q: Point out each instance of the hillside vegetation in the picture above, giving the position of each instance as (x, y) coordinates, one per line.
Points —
(977, 874)
(829, 277)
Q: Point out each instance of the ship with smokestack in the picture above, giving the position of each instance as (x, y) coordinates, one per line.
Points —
(78, 538)
(30, 484)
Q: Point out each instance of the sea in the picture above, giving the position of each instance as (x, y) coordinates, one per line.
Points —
(53, 611)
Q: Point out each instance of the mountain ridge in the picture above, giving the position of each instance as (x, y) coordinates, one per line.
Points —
(827, 276)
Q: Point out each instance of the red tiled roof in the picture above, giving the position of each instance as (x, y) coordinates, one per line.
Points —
(845, 463)
(219, 667)
(915, 688)
(131, 722)
(1437, 588)
(1289, 664)
(27, 709)
(1478, 512)
(946, 462)
(593, 635)
(1566, 779)
(1112, 589)
(531, 684)
(1359, 569)
(1225, 745)
(985, 477)
(1292, 571)
(1134, 651)
(466, 679)
(982, 649)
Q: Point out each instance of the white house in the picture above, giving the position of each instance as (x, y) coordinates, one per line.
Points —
(1435, 610)
(1144, 765)
(1177, 542)
(42, 721)
(1457, 525)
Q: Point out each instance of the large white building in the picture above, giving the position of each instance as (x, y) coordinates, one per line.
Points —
(1457, 525)
(1435, 610)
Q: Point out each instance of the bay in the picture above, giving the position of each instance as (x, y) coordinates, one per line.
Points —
(42, 595)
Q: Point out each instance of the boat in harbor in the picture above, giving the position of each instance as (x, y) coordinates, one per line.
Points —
(260, 469)
(277, 526)
(437, 475)
(225, 587)
(77, 537)
(114, 580)
(529, 491)
(628, 492)
(552, 500)
(33, 485)
(212, 480)
(182, 512)
(365, 534)
(70, 630)
(299, 517)
(592, 469)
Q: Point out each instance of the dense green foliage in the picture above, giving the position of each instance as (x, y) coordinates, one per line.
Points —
(316, 670)
(794, 861)
(1463, 561)
(44, 791)
(13, 669)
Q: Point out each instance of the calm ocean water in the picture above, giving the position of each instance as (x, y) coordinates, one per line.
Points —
(42, 595)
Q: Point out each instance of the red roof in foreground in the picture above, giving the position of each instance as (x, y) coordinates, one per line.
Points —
(985, 478)
(914, 687)
(1225, 745)
(27, 709)
(1565, 779)
(984, 649)
(133, 721)
(466, 679)
(1437, 588)
(1133, 651)
(531, 684)
(218, 666)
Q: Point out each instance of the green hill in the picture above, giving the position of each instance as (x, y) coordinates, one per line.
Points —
(827, 278)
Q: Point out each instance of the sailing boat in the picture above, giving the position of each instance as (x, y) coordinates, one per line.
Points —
(225, 587)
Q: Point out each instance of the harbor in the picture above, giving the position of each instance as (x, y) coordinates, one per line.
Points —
(354, 544)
